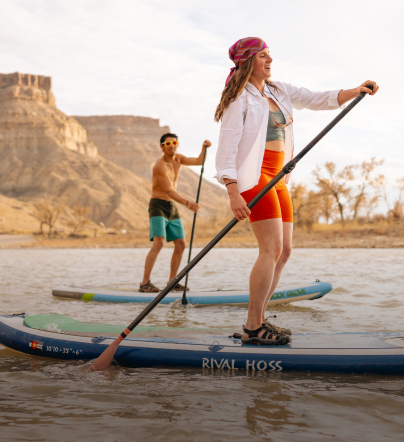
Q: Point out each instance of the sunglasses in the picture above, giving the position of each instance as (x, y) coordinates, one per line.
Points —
(274, 121)
(174, 143)
(278, 124)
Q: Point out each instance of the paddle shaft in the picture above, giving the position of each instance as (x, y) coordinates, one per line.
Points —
(286, 170)
(184, 298)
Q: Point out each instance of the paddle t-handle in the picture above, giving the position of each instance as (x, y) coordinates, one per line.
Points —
(107, 356)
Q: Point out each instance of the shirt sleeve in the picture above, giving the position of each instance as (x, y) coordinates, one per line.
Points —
(229, 137)
(302, 98)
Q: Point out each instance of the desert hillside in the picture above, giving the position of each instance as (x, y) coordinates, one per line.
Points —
(133, 143)
(46, 155)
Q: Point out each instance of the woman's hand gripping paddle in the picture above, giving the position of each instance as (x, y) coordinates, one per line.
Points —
(184, 298)
(104, 360)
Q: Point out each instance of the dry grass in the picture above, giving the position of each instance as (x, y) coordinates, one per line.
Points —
(377, 235)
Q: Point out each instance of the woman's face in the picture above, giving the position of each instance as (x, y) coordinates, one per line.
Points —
(262, 65)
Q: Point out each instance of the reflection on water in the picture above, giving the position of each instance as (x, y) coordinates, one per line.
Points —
(51, 400)
(45, 399)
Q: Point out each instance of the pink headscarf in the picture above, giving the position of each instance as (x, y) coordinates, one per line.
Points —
(242, 50)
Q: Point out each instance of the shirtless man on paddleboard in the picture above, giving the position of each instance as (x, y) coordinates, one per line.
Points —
(164, 217)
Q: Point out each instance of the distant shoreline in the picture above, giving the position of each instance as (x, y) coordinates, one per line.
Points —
(301, 239)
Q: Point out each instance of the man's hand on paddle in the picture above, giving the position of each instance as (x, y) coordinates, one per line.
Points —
(190, 161)
(194, 207)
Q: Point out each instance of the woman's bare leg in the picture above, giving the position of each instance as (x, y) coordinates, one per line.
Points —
(269, 234)
(285, 254)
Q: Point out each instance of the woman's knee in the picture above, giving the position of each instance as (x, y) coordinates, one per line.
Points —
(285, 254)
(272, 251)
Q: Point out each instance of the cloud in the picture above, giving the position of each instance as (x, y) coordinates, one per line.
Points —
(169, 60)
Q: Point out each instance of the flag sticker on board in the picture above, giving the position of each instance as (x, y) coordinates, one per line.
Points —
(35, 345)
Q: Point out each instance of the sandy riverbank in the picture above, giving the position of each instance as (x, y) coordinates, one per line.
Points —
(380, 236)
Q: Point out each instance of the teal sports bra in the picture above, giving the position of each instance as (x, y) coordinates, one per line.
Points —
(275, 133)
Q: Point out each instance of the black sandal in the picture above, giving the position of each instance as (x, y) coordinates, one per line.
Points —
(269, 337)
(148, 288)
(179, 288)
(270, 326)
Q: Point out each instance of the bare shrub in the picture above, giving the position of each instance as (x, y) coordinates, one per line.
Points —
(366, 179)
(306, 207)
(47, 213)
(351, 188)
(80, 220)
(337, 184)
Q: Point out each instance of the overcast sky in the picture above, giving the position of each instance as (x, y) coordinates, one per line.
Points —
(169, 60)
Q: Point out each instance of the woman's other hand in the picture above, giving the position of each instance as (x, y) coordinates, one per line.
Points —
(237, 203)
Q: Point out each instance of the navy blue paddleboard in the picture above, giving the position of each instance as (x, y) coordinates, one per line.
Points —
(379, 353)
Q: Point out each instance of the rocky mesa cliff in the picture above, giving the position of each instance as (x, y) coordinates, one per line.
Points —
(45, 154)
(29, 117)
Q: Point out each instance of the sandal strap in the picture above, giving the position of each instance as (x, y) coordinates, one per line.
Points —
(268, 334)
(272, 327)
(178, 286)
(147, 285)
(252, 333)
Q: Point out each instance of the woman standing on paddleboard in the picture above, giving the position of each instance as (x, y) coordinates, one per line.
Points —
(256, 141)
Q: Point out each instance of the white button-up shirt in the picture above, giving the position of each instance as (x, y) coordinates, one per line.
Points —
(243, 131)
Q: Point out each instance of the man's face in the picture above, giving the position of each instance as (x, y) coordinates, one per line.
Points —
(168, 146)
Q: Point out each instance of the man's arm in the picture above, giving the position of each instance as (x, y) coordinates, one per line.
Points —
(195, 161)
(167, 185)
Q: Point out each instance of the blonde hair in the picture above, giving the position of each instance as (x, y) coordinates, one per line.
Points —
(235, 87)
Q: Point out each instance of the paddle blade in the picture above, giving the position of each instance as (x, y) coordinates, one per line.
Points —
(104, 360)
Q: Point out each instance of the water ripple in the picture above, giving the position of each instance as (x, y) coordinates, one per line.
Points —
(51, 400)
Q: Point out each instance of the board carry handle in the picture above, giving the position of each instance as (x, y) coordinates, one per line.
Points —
(106, 357)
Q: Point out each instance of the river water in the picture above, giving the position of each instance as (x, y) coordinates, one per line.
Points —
(49, 400)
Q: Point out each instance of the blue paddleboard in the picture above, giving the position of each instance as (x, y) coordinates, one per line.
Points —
(379, 353)
(310, 291)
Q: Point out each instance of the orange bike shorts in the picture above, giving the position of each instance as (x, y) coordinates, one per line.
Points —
(277, 202)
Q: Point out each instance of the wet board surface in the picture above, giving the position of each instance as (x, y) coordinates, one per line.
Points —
(362, 353)
(310, 291)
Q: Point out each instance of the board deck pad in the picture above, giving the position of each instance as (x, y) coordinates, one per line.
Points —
(309, 291)
(66, 325)
(62, 323)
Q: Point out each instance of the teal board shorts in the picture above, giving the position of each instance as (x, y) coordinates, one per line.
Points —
(164, 220)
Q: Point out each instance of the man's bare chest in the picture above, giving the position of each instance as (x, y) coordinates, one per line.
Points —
(173, 170)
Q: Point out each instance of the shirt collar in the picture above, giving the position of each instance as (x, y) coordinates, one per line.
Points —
(253, 90)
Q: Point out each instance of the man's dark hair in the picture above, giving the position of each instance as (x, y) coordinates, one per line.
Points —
(163, 137)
